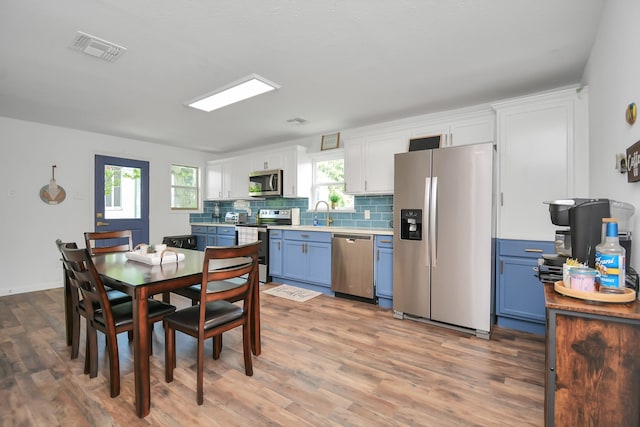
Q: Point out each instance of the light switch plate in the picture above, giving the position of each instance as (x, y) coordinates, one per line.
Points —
(367, 214)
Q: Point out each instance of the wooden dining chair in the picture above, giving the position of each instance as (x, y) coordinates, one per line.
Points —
(76, 304)
(215, 314)
(105, 242)
(103, 316)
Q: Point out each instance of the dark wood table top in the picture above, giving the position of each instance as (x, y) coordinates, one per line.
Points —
(554, 300)
(116, 267)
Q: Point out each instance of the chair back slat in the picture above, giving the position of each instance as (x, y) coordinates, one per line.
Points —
(109, 241)
(84, 276)
(246, 270)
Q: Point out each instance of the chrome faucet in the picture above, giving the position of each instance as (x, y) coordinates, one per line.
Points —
(329, 220)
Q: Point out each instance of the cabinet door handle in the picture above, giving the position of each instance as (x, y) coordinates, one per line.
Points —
(501, 267)
(306, 236)
(278, 245)
(385, 241)
(539, 251)
(365, 185)
(378, 255)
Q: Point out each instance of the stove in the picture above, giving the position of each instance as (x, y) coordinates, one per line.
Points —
(248, 233)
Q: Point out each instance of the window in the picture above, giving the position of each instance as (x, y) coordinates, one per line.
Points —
(328, 181)
(184, 187)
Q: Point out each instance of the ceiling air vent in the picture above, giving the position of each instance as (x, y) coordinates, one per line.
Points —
(94, 46)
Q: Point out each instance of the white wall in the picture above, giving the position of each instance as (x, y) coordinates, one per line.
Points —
(613, 76)
(29, 259)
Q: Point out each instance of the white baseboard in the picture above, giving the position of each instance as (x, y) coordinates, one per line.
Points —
(30, 288)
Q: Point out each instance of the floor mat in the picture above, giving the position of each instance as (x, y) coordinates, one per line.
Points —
(293, 293)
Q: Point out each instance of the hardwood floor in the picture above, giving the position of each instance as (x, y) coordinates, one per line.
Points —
(324, 362)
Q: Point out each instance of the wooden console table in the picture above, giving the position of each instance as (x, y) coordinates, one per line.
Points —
(592, 362)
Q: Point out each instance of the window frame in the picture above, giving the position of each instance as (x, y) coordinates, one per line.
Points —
(197, 187)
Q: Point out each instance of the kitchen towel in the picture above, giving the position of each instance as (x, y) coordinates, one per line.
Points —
(247, 235)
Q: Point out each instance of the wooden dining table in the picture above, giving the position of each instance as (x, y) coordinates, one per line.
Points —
(142, 281)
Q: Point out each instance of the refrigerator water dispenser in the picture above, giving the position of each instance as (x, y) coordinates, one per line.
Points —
(411, 224)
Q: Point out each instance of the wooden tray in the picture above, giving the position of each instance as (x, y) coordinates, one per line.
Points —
(628, 295)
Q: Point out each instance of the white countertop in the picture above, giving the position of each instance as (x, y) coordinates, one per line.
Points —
(351, 230)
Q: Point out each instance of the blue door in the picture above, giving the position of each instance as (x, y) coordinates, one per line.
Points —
(122, 196)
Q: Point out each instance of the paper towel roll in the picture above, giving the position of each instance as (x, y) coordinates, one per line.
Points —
(295, 216)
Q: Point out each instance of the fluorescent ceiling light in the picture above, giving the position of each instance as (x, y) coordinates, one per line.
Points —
(240, 90)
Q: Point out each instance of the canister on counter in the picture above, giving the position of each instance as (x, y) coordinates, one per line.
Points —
(583, 279)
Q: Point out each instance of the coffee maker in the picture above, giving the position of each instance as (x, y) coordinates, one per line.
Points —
(585, 232)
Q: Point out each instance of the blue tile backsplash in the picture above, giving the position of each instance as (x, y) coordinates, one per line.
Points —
(380, 207)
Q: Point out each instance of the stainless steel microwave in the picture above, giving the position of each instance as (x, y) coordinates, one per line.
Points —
(265, 183)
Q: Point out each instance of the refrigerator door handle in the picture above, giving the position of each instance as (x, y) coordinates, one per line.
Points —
(433, 221)
(425, 225)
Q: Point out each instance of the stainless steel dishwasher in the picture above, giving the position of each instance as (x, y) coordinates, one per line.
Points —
(352, 265)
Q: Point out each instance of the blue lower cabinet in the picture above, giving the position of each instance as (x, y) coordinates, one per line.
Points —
(520, 295)
(384, 270)
(275, 252)
(212, 235)
(306, 260)
(200, 231)
(226, 236)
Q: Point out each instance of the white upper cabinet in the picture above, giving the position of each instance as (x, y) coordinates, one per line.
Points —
(542, 145)
(228, 179)
(268, 160)
(296, 172)
(214, 182)
(368, 163)
(460, 130)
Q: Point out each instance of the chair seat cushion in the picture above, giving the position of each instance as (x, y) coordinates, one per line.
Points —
(217, 313)
(123, 313)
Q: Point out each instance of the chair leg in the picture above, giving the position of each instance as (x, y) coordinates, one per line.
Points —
(87, 355)
(217, 346)
(92, 350)
(114, 365)
(169, 352)
(75, 335)
(246, 347)
(200, 379)
(151, 339)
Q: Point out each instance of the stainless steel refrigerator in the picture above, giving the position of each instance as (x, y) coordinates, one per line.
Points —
(444, 221)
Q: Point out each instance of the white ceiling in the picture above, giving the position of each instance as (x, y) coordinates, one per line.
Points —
(340, 63)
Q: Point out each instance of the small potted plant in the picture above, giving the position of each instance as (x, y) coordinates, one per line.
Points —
(334, 198)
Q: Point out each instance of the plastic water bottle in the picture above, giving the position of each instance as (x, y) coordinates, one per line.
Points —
(610, 260)
(315, 221)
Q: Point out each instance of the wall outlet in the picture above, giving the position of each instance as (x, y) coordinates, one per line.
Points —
(367, 214)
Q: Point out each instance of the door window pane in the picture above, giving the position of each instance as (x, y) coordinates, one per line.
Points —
(121, 192)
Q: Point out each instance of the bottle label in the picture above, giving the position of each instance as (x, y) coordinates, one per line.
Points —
(611, 269)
